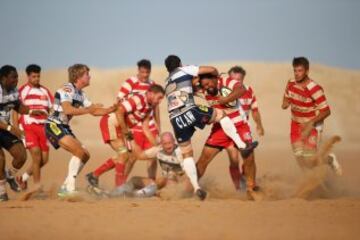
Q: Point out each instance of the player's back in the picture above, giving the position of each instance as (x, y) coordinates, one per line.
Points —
(133, 86)
(179, 89)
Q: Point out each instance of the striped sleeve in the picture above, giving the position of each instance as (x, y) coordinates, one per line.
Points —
(318, 96)
(126, 88)
(232, 83)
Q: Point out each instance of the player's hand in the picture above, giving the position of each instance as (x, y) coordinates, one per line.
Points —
(306, 129)
(260, 130)
(94, 107)
(38, 112)
(112, 108)
(16, 132)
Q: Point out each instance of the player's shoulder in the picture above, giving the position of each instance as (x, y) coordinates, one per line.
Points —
(47, 90)
(24, 87)
(313, 85)
(67, 88)
(138, 98)
(248, 88)
(190, 69)
(132, 80)
(291, 82)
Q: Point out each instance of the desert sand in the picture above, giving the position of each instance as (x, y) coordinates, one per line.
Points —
(329, 212)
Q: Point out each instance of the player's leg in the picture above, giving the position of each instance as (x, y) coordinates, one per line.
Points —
(234, 168)
(79, 158)
(18, 153)
(297, 144)
(37, 144)
(228, 126)
(36, 155)
(183, 133)
(3, 194)
(207, 155)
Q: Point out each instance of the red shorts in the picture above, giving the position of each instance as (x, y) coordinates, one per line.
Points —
(142, 141)
(110, 132)
(218, 138)
(295, 136)
(35, 137)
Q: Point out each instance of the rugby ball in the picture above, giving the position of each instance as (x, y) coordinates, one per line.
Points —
(224, 91)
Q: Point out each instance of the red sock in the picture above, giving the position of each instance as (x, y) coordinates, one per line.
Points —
(106, 166)
(120, 177)
(235, 176)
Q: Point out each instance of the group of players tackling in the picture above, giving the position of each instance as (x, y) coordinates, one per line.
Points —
(31, 116)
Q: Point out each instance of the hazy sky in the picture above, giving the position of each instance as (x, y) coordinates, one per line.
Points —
(109, 34)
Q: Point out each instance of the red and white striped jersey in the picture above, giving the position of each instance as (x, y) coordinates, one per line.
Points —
(235, 112)
(132, 86)
(36, 98)
(306, 102)
(248, 101)
(137, 108)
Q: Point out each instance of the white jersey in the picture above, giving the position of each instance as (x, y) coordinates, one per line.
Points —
(8, 101)
(36, 98)
(68, 93)
(171, 165)
(179, 90)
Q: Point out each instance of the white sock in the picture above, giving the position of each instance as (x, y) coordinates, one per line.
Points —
(25, 177)
(190, 170)
(2, 186)
(75, 166)
(231, 131)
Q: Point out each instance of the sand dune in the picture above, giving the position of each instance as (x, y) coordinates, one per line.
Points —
(333, 213)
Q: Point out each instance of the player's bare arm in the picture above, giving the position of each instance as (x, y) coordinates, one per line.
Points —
(234, 95)
(15, 118)
(208, 70)
(98, 110)
(311, 124)
(120, 117)
(285, 103)
(157, 117)
(257, 119)
(70, 110)
(147, 132)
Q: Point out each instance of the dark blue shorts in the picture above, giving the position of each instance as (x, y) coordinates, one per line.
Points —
(7, 140)
(185, 123)
(54, 132)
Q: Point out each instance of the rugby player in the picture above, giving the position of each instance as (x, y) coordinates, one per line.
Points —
(10, 135)
(248, 100)
(309, 109)
(185, 115)
(69, 101)
(116, 131)
(36, 97)
(214, 90)
(140, 84)
(169, 158)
